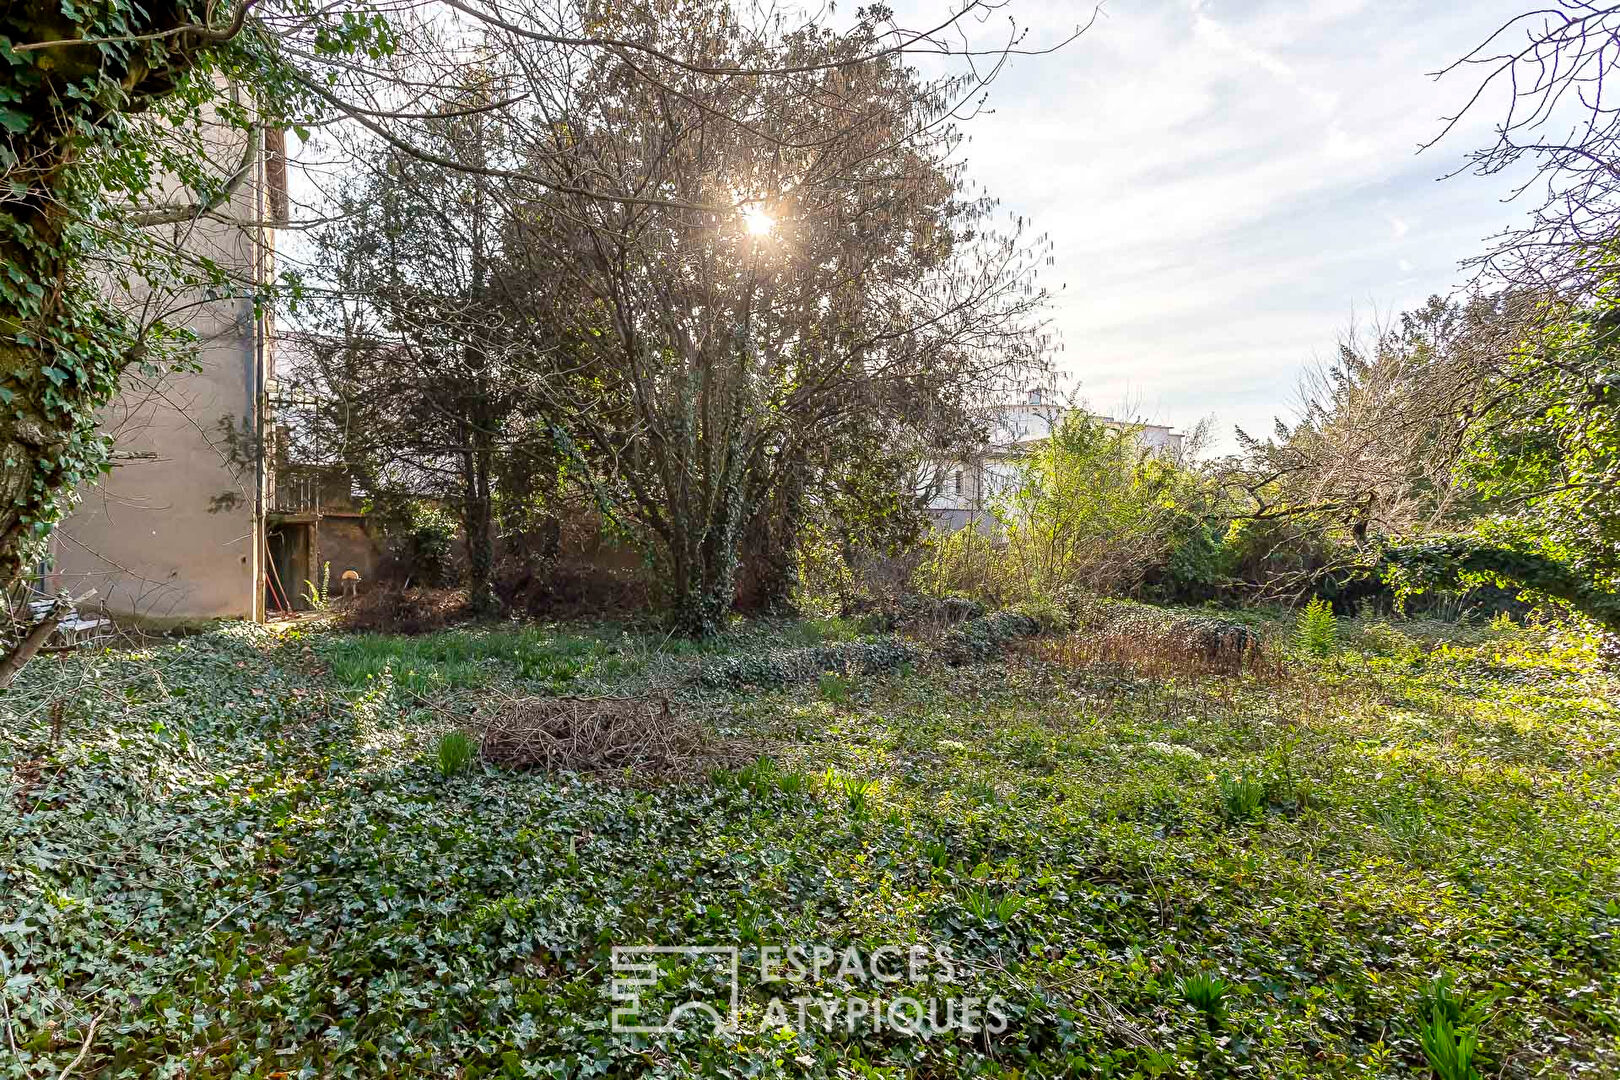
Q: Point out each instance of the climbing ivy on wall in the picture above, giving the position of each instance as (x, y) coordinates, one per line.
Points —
(105, 106)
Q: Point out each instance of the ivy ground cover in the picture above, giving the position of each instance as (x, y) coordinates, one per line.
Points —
(236, 855)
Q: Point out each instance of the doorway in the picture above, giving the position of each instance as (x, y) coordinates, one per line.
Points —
(289, 546)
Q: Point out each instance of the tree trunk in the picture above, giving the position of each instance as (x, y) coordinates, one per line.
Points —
(52, 379)
(61, 349)
(770, 545)
(705, 580)
(481, 530)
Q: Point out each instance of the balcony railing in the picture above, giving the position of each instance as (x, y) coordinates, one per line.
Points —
(294, 491)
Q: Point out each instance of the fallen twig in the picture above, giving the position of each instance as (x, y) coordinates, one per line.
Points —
(89, 1037)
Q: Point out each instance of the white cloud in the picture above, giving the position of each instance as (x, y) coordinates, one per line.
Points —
(1226, 183)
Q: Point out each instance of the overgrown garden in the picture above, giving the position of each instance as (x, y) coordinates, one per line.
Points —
(647, 336)
(255, 854)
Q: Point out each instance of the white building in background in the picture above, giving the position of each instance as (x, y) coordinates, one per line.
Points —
(963, 491)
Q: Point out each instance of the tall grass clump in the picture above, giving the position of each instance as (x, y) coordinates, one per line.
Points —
(1316, 629)
(1206, 993)
(455, 753)
(1241, 797)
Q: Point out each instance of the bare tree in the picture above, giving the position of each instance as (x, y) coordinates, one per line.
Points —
(1373, 451)
(1554, 67)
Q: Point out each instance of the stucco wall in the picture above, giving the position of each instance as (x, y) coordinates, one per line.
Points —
(171, 532)
(345, 543)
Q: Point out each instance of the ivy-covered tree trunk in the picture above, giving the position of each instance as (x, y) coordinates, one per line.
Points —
(62, 349)
(770, 543)
(480, 522)
(704, 562)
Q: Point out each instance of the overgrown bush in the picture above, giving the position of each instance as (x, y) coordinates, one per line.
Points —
(1090, 509)
(986, 638)
(785, 667)
(421, 550)
(1197, 569)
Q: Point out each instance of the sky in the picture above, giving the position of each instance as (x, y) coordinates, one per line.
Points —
(1229, 184)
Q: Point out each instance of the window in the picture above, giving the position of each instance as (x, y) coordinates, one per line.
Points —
(956, 480)
(1035, 396)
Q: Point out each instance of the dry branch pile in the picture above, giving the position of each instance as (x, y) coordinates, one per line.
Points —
(602, 736)
(391, 610)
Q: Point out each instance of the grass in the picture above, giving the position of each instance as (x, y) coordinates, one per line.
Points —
(1401, 864)
(455, 753)
(578, 658)
(472, 658)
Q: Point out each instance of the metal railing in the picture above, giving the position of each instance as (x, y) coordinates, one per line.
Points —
(295, 492)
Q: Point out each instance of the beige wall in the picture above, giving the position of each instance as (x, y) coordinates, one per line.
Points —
(346, 544)
(173, 531)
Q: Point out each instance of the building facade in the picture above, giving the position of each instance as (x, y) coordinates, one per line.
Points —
(964, 491)
(192, 522)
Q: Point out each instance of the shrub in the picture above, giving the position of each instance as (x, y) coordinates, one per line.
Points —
(1316, 628)
(1222, 642)
(986, 638)
(912, 610)
(784, 667)
(1088, 508)
(572, 587)
(455, 754)
(424, 553)
(1195, 571)
(1050, 616)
